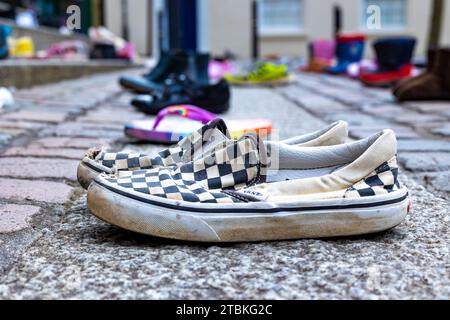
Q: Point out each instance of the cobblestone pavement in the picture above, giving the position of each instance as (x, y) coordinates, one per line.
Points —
(51, 247)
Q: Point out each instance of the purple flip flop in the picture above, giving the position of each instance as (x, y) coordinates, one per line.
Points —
(171, 125)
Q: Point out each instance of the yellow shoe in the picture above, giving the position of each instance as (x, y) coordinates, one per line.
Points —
(21, 47)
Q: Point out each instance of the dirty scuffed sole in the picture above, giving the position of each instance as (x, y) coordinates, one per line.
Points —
(87, 172)
(212, 225)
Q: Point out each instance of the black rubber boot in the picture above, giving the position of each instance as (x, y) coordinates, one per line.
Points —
(214, 98)
(169, 63)
(193, 65)
(198, 68)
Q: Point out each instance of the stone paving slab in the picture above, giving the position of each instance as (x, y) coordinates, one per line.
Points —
(14, 218)
(85, 130)
(425, 162)
(441, 181)
(361, 132)
(358, 119)
(111, 115)
(37, 191)
(13, 132)
(419, 119)
(423, 145)
(21, 125)
(38, 168)
(68, 142)
(63, 153)
(429, 106)
(426, 126)
(263, 103)
(67, 110)
(4, 139)
(443, 131)
(37, 116)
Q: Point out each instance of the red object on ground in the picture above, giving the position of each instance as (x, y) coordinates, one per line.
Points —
(410, 207)
(351, 37)
(388, 77)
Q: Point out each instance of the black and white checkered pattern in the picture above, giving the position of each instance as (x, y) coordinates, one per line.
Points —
(186, 150)
(234, 166)
(125, 161)
(164, 183)
(381, 181)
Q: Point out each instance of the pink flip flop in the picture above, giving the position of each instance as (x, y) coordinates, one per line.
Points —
(177, 122)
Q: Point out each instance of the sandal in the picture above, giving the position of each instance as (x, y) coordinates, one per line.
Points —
(177, 122)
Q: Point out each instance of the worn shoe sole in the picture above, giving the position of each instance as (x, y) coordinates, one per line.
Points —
(88, 170)
(249, 221)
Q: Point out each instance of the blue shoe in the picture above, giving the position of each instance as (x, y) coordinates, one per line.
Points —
(5, 32)
(350, 49)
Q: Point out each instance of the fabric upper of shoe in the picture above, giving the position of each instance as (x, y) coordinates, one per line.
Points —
(240, 171)
(363, 168)
(323, 49)
(169, 63)
(350, 52)
(187, 149)
(230, 165)
(349, 49)
(334, 134)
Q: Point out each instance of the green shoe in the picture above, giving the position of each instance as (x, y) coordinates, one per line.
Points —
(263, 73)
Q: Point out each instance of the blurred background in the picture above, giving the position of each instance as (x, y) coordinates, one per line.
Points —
(282, 27)
(132, 31)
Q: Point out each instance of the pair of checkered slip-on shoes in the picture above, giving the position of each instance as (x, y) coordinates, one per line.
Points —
(247, 190)
(188, 149)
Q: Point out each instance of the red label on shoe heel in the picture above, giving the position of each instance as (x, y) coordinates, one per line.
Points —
(410, 207)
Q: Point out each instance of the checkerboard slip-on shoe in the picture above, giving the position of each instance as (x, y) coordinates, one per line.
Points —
(97, 162)
(356, 192)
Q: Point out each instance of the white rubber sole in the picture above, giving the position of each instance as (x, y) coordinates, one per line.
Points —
(316, 219)
(86, 174)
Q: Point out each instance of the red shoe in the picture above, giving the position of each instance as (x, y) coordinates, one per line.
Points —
(386, 78)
